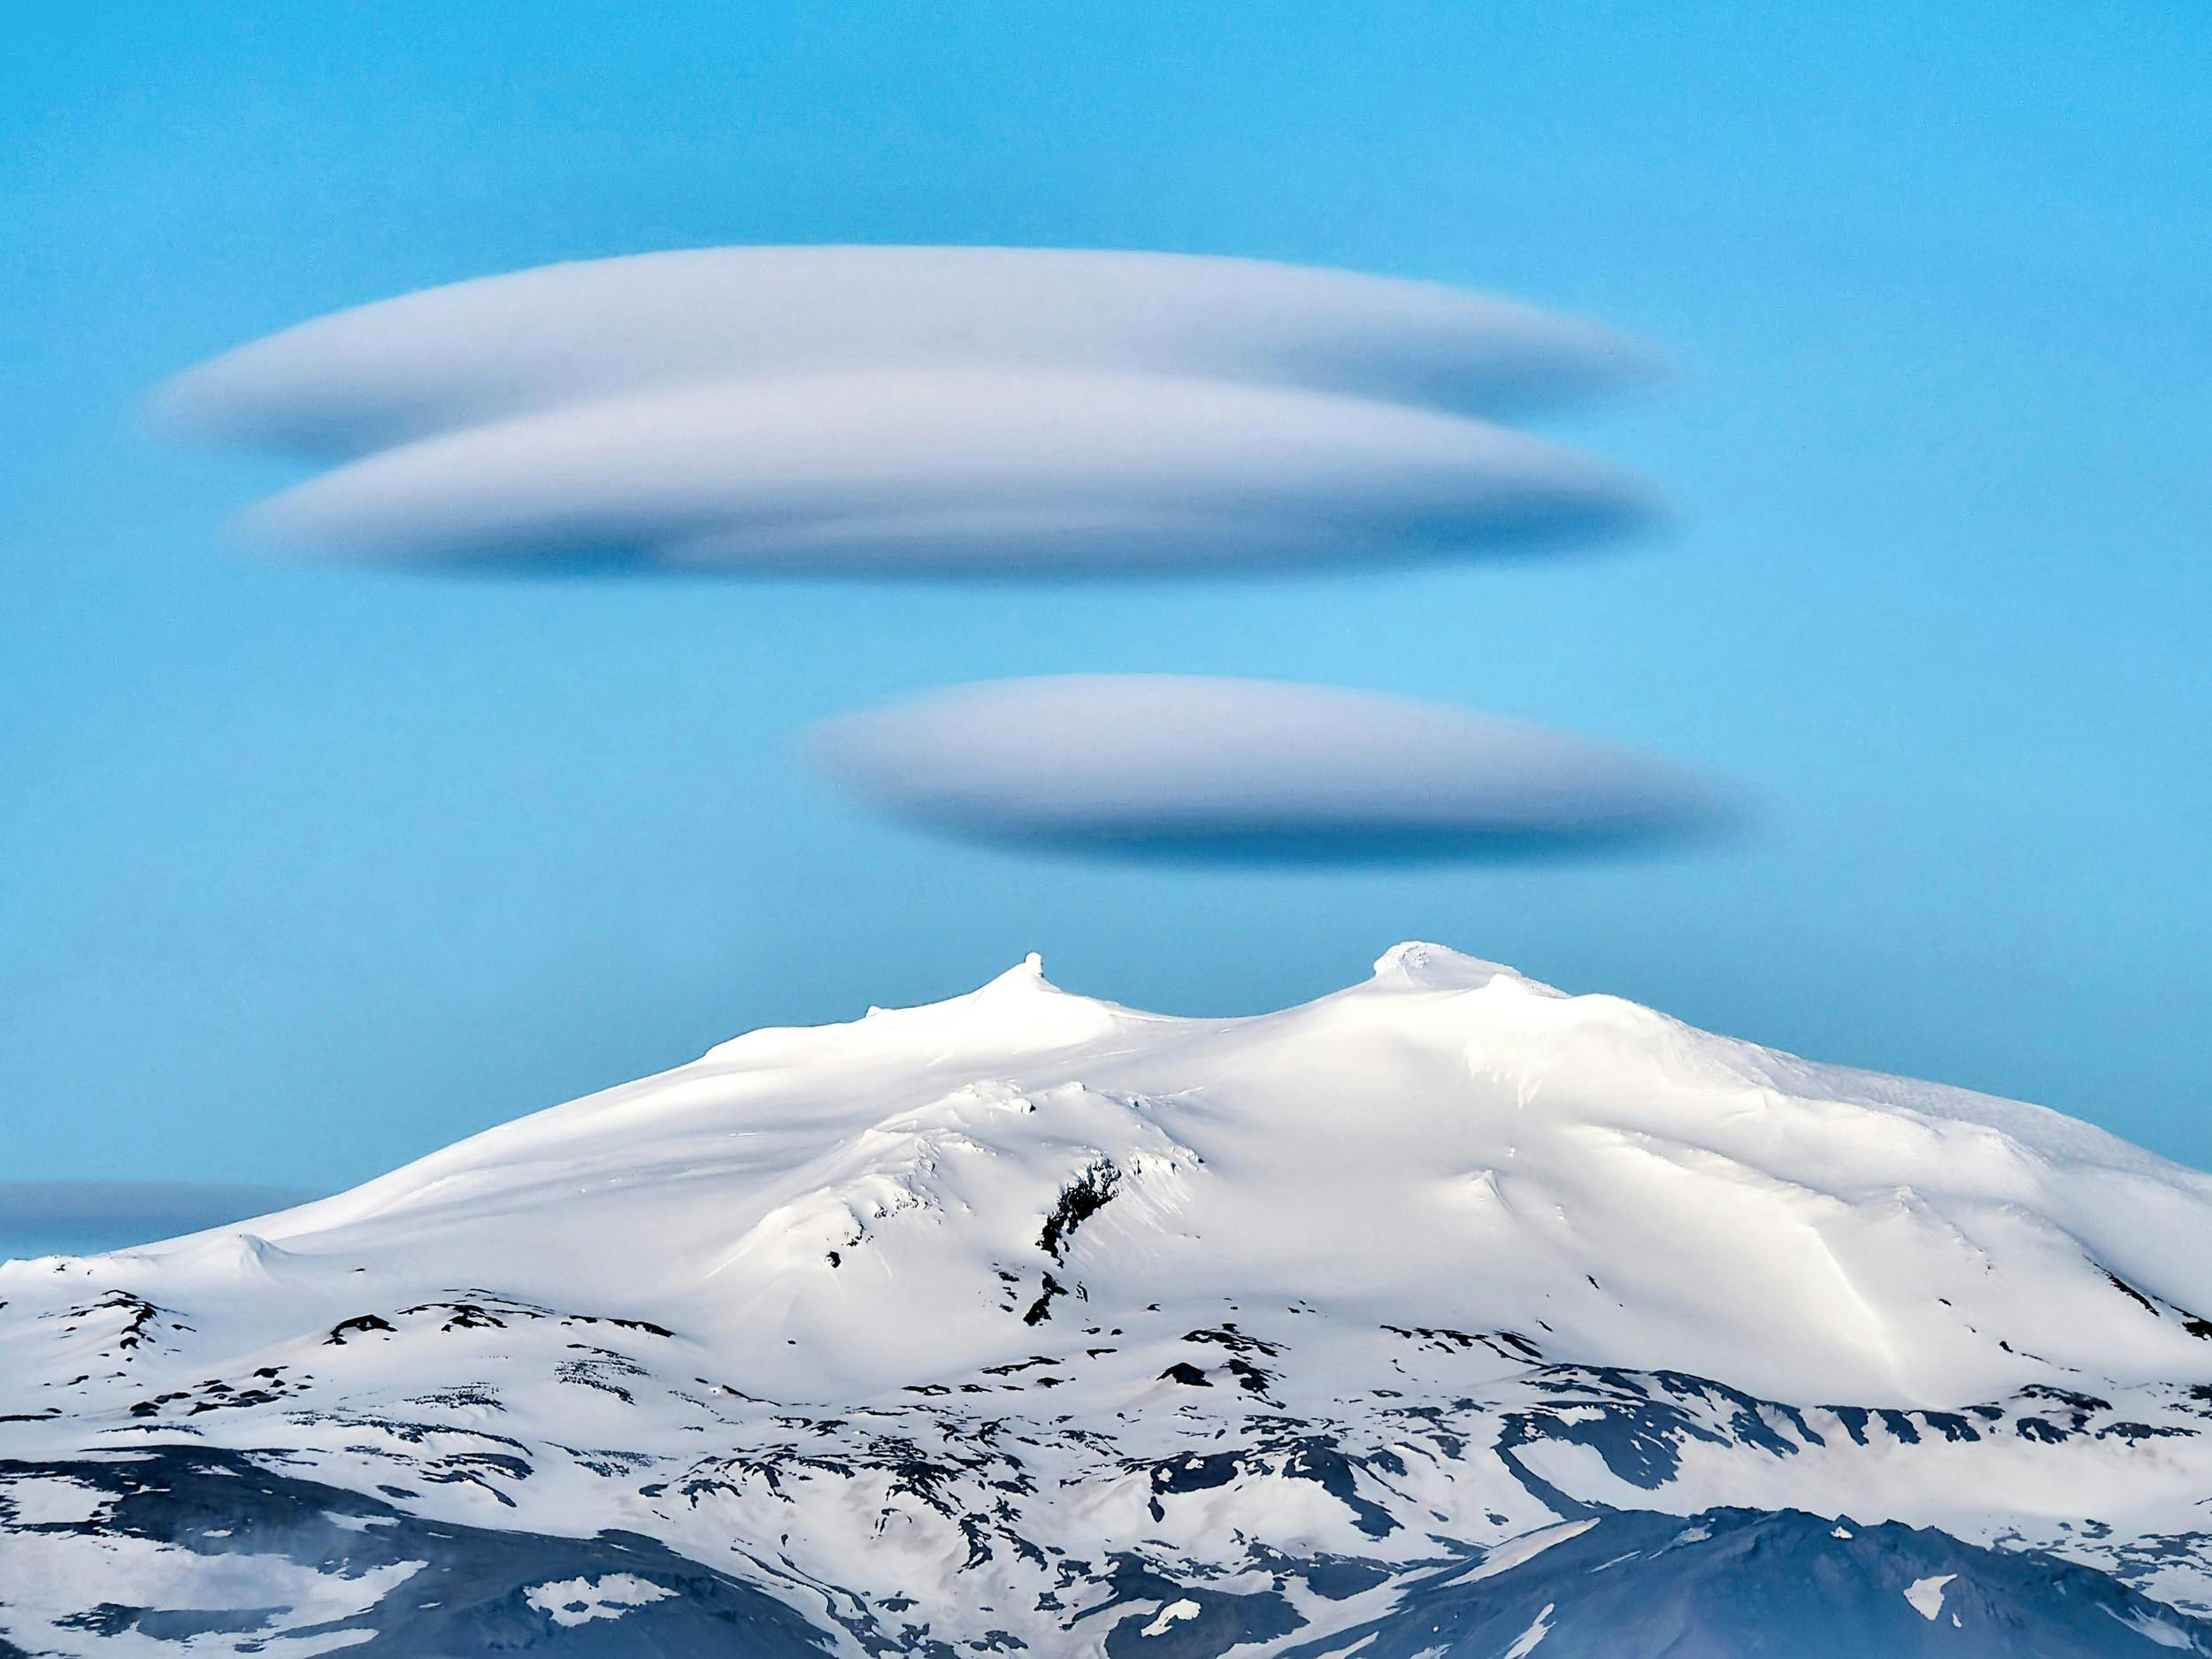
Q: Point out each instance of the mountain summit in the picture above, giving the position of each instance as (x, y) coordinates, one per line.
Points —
(1446, 1314)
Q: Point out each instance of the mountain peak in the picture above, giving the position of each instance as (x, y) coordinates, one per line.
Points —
(1419, 966)
(1026, 975)
(1018, 1011)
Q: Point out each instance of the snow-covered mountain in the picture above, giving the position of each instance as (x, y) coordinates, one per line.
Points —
(1447, 1315)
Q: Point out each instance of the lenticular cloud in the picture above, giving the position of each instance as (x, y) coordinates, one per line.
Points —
(922, 409)
(1174, 767)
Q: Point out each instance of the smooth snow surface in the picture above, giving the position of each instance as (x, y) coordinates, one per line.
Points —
(933, 1306)
(1449, 1144)
(579, 1600)
(1510, 1555)
(1168, 1617)
(1526, 1642)
(1926, 1594)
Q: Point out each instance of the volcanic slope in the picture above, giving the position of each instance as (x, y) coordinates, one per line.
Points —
(1445, 1314)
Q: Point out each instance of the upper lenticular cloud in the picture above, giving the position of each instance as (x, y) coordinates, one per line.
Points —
(1169, 765)
(452, 356)
(917, 409)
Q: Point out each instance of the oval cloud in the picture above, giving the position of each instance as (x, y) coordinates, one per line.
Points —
(490, 349)
(955, 470)
(1182, 767)
(917, 410)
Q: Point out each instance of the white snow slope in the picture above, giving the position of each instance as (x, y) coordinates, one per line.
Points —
(1455, 1226)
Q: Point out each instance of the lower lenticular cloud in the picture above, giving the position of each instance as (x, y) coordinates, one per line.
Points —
(928, 410)
(1168, 765)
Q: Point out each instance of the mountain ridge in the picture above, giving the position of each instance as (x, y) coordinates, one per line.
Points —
(945, 1311)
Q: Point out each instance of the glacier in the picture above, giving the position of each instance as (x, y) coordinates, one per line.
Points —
(1446, 1315)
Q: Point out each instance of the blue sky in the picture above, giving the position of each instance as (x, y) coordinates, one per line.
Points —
(306, 871)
